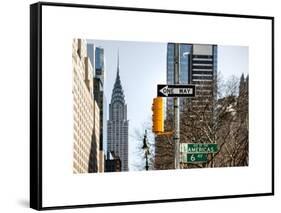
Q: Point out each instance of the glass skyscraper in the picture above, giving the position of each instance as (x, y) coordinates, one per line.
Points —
(185, 51)
(198, 66)
(204, 76)
(99, 92)
(99, 62)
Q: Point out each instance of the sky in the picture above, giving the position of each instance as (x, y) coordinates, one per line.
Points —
(233, 60)
(142, 67)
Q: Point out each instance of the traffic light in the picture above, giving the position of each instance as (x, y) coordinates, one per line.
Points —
(158, 115)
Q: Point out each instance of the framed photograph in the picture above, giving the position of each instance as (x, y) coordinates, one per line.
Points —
(135, 105)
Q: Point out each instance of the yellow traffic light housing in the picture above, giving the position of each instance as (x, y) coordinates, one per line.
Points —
(158, 115)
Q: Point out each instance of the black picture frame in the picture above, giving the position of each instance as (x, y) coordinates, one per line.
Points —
(36, 104)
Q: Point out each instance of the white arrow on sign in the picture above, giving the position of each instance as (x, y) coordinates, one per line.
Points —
(164, 91)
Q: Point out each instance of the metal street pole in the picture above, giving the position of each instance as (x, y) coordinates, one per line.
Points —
(146, 161)
(176, 108)
(146, 150)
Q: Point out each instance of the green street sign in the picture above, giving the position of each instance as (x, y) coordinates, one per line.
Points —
(199, 147)
(197, 158)
(194, 158)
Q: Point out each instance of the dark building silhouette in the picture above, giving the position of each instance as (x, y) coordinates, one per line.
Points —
(112, 163)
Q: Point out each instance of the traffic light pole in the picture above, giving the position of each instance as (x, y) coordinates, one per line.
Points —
(176, 109)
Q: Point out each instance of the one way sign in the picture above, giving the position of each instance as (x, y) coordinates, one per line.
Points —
(164, 90)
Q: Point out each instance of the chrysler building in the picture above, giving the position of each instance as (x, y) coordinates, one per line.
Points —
(118, 125)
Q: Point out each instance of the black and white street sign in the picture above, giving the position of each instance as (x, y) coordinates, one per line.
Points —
(167, 90)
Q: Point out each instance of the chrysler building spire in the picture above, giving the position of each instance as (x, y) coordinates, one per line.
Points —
(118, 62)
